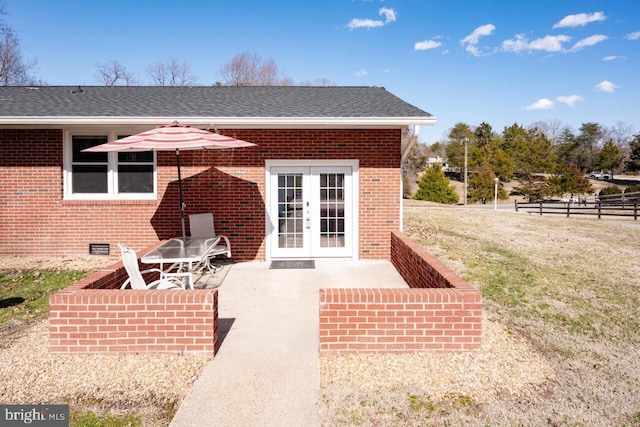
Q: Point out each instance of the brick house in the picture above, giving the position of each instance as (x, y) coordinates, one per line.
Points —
(323, 181)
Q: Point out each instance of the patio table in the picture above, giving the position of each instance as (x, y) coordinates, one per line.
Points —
(189, 251)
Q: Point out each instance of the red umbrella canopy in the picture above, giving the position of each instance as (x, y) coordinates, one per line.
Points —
(174, 136)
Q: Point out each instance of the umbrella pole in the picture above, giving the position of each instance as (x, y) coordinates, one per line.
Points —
(184, 233)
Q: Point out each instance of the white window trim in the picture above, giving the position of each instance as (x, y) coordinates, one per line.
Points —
(112, 177)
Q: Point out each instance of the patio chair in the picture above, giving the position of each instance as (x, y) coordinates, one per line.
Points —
(136, 279)
(201, 225)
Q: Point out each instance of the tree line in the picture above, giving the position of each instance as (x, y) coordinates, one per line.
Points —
(244, 69)
(546, 158)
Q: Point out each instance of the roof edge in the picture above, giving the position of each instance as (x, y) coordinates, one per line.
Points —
(224, 122)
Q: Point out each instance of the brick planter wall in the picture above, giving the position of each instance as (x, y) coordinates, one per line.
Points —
(95, 316)
(441, 312)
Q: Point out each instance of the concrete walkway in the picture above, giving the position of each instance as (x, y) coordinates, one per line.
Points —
(266, 372)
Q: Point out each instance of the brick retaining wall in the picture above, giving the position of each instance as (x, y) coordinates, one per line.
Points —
(440, 312)
(94, 316)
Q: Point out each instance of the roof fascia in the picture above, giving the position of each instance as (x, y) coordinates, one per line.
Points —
(224, 122)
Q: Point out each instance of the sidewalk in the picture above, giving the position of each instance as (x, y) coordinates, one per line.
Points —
(266, 372)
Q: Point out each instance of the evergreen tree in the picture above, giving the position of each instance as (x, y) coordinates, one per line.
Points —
(455, 146)
(567, 148)
(569, 180)
(484, 134)
(533, 154)
(609, 158)
(433, 186)
(633, 163)
(482, 185)
(589, 141)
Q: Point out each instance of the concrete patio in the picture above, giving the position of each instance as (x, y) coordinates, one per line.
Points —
(328, 273)
(266, 371)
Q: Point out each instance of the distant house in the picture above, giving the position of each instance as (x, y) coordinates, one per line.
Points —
(439, 160)
(323, 181)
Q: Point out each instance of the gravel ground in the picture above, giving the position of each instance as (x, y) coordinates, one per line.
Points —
(432, 389)
(149, 385)
(154, 385)
(505, 364)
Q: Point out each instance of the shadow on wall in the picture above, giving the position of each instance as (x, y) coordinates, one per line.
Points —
(237, 206)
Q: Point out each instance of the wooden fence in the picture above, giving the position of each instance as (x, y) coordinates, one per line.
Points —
(615, 205)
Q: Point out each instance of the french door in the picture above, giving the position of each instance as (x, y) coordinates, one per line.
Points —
(311, 211)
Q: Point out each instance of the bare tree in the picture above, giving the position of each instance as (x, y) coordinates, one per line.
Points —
(248, 69)
(552, 129)
(171, 73)
(114, 74)
(14, 71)
(621, 134)
(241, 70)
(321, 81)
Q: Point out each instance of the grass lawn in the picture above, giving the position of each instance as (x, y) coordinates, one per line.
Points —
(24, 294)
(24, 297)
(569, 286)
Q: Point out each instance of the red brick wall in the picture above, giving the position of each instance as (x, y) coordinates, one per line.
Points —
(94, 316)
(420, 269)
(36, 220)
(441, 312)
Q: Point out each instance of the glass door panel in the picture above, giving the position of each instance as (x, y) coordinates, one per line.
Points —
(290, 211)
(331, 210)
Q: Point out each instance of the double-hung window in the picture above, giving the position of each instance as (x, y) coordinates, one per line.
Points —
(104, 176)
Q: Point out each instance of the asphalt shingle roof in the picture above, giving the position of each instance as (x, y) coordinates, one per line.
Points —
(204, 101)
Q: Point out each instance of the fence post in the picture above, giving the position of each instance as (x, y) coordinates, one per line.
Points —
(516, 202)
(599, 206)
(568, 209)
(635, 211)
(540, 208)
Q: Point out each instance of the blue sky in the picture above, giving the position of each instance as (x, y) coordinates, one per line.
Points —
(499, 62)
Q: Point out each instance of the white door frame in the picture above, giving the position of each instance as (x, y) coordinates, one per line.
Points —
(270, 230)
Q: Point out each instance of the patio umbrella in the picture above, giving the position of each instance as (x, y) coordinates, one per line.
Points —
(173, 137)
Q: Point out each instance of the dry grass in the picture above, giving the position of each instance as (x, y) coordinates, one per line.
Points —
(569, 288)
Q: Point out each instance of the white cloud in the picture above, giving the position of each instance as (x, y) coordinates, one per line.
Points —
(546, 44)
(588, 41)
(605, 86)
(472, 39)
(361, 73)
(613, 58)
(426, 45)
(541, 104)
(580, 20)
(389, 15)
(549, 43)
(364, 23)
(633, 36)
(570, 100)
